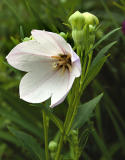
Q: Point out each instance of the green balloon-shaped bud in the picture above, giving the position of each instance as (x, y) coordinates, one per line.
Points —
(52, 146)
(90, 19)
(83, 29)
(77, 20)
(63, 35)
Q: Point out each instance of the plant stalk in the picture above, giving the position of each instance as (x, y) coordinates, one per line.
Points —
(45, 126)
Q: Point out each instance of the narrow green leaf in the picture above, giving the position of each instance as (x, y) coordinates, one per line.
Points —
(105, 37)
(110, 103)
(118, 130)
(102, 53)
(23, 108)
(21, 121)
(93, 71)
(28, 142)
(8, 137)
(85, 112)
(102, 146)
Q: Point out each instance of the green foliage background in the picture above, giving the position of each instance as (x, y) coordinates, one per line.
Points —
(107, 136)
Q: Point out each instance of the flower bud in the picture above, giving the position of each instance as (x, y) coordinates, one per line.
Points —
(77, 20)
(28, 38)
(90, 19)
(63, 35)
(52, 146)
(83, 29)
(78, 36)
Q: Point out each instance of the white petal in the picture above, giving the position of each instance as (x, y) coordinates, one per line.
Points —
(62, 86)
(74, 56)
(76, 68)
(51, 41)
(36, 87)
(27, 56)
(64, 83)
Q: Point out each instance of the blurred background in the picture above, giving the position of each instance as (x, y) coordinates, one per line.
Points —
(17, 19)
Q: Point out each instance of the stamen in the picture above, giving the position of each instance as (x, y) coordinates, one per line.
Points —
(63, 69)
(69, 67)
(56, 57)
(62, 62)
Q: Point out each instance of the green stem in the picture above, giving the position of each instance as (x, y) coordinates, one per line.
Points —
(59, 147)
(77, 97)
(83, 71)
(63, 134)
(71, 104)
(89, 62)
(67, 121)
(46, 125)
(75, 106)
(78, 51)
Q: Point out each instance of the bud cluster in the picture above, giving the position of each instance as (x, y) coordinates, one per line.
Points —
(83, 28)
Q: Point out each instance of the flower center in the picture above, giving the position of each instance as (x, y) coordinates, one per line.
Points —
(62, 62)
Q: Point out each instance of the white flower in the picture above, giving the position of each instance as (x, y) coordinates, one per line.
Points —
(51, 66)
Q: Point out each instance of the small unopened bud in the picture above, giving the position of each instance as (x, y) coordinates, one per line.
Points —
(28, 38)
(90, 19)
(52, 146)
(76, 20)
(63, 35)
